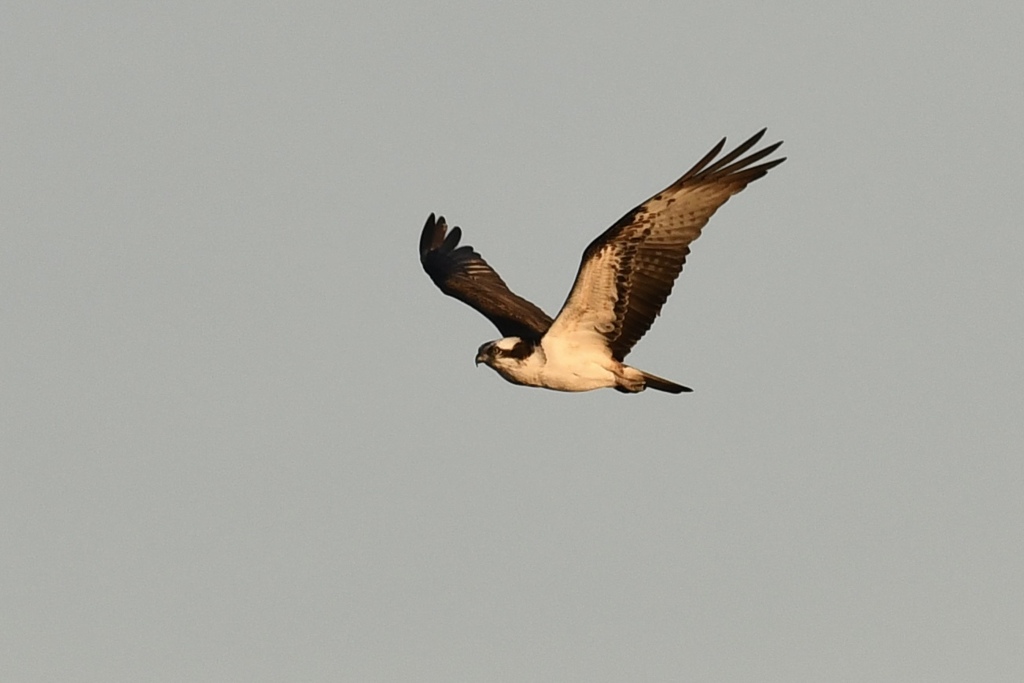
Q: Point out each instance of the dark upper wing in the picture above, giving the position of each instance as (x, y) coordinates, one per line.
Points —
(627, 273)
(462, 273)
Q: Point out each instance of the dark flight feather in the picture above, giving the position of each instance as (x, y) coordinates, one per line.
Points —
(461, 272)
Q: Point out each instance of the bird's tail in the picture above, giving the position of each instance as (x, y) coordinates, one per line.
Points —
(661, 384)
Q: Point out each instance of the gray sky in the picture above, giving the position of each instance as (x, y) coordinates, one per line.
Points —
(242, 435)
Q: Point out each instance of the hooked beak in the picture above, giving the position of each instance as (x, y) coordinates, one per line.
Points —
(483, 354)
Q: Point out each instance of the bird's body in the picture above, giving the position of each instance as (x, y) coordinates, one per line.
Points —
(558, 363)
(624, 278)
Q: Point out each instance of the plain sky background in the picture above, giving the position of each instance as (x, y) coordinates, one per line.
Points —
(242, 435)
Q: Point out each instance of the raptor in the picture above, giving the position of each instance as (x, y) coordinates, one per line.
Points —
(624, 279)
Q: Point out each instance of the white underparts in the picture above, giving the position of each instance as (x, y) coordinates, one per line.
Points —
(563, 366)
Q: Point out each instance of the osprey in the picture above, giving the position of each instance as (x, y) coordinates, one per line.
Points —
(624, 278)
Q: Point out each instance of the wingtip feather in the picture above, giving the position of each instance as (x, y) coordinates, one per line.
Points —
(433, 235)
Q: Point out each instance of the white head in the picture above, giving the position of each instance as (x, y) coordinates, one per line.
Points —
(505, 351)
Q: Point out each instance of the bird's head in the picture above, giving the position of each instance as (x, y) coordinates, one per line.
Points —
(504, 351)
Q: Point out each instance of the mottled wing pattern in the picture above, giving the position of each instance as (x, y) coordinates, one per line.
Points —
(462, 273)
(627, 273)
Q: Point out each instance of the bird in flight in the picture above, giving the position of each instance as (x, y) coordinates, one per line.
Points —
(624, 278)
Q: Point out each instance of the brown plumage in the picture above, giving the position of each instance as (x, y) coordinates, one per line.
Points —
(461, 272)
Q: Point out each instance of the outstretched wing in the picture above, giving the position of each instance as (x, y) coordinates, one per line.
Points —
(462, 273)
(627, 273)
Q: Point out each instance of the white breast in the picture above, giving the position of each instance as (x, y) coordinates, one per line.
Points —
(576, 363)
